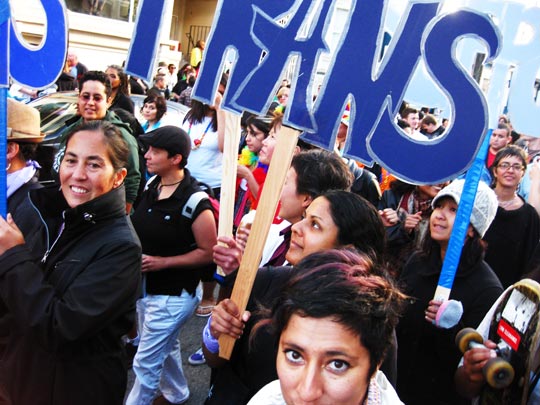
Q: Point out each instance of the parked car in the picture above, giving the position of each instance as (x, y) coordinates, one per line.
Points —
(55, 109)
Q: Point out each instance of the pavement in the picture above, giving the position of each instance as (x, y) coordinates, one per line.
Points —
(198, 376)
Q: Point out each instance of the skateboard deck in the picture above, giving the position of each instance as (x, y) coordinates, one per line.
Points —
(514, 329)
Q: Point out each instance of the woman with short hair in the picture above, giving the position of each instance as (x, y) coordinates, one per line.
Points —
(334, 321)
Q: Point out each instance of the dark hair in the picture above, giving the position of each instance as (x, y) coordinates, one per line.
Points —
(505, 127)
(185, 148)
(429, 120)
(400, 187)
(408, 110)
(159, 101)
(262, 123)
(124, 81)
(117, 147)
(319, 171)
(358, 222)
(199, 110)
(341, 285)
(27, 151)
(510, 150)
(98, 76)
(473, 250)
(403, 124)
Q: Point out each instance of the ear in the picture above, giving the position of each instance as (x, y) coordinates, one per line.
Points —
(470, 231)
(119, 177)
(176, 159)
(306, 201)
(12, 150)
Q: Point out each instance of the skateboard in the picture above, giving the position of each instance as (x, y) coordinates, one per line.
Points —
(514, 329)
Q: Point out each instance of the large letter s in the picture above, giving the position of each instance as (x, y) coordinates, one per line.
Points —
(421, 161)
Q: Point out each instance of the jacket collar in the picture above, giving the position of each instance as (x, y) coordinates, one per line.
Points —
(51, 203)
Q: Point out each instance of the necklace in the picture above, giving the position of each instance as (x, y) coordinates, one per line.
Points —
(198, 141)
(172, 184)
(508, 203)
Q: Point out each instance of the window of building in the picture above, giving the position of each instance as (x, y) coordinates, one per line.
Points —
(124, 10)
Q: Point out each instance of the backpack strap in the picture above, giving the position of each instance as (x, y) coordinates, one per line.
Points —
(193, 201)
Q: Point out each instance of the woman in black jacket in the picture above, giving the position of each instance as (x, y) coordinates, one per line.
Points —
(427, 354)
(71, 308)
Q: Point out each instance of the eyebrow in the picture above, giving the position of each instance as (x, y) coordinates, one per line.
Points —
(294, 346)
(91, 157)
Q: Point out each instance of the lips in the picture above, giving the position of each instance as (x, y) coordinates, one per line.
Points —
(438, 227)
(295, 245)
(78, 190)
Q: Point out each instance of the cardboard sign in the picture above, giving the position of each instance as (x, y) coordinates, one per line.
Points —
(35, 67)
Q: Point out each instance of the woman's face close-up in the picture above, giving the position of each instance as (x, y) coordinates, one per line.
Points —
(442, 219)
(254, 139)
(158, 161)
(268, 145)
(292, 204)
(509, 171)
(92, 103)
(320, 361)
(86, 172)
(114, 78)
(149, 112)
(316, 232)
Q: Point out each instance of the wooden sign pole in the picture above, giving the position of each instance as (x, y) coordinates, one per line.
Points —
(266, 209)
(228, 182)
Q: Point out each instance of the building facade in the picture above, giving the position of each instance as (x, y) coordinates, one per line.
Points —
(100, 31)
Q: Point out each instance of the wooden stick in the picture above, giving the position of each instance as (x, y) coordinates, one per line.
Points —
(228, 182)
(266, 209)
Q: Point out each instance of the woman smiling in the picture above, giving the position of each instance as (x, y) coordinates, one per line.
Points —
(72, 307)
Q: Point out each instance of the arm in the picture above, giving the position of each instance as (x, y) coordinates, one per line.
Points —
(225, 319)
(534, 193)
(469, 378)
(245, 173)
(204, 231)
(227, 254)
(101, 291)
(133, 178)
(221, 121)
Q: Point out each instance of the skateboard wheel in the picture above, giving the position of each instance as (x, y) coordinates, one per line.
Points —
(498, 373)
(466, 336)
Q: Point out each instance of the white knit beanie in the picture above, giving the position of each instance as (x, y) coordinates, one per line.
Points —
(484, 208)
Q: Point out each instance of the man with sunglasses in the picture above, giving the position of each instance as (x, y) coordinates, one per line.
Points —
(95, 88)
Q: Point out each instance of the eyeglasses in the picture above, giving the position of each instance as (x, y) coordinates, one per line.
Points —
(506, 166)
(96, 97)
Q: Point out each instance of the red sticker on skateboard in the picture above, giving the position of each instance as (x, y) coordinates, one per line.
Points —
(509, 334)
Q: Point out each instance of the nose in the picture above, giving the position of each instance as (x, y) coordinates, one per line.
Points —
(79, 172)
(311, 386)
(298, 228)
(438, 213)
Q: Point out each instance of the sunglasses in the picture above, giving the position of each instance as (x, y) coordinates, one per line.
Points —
(96, 97)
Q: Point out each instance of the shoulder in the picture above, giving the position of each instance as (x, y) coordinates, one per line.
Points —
(270, 394)
(269, 281)
(385, 391)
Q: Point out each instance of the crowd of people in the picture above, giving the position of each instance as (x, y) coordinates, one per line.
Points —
(121, 251)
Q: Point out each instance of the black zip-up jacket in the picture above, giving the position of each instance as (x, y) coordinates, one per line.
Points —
(71, 309)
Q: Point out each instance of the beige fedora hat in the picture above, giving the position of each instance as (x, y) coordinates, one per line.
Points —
(23, 123)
